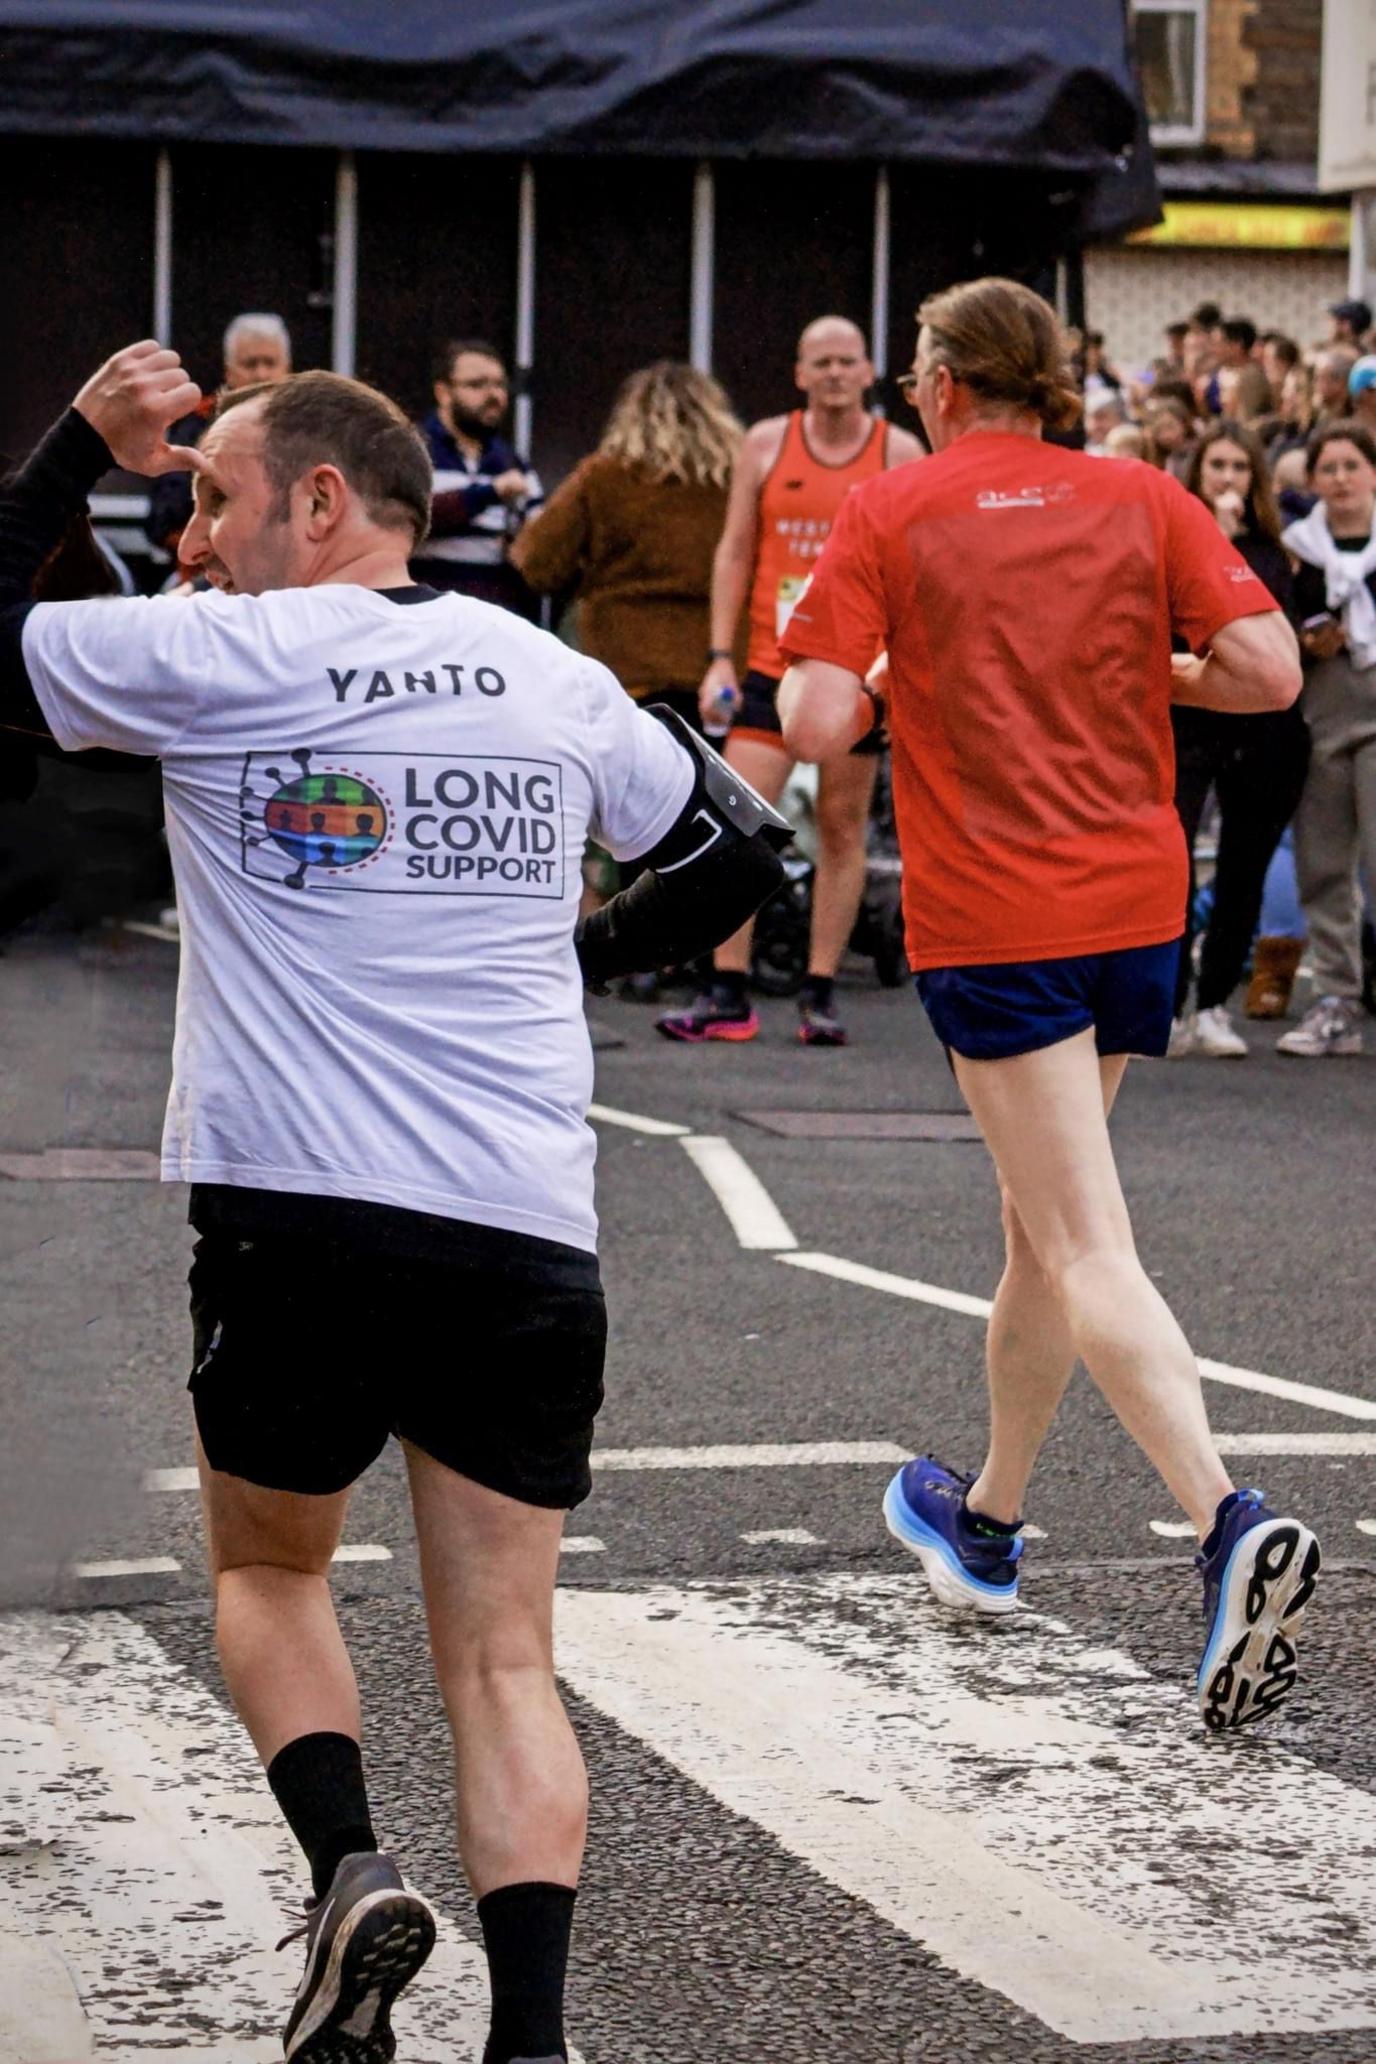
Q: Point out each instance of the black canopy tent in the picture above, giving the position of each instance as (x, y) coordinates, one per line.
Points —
(1012, 131)
(1041, 86)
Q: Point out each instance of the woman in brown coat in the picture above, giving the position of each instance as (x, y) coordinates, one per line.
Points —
(632, 531)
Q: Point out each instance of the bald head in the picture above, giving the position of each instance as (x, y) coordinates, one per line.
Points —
(833, 368)
(827, 330)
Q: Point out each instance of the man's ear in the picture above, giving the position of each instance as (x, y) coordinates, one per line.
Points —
(327, 495)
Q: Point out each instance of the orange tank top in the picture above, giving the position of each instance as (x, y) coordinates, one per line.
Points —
(799, 501)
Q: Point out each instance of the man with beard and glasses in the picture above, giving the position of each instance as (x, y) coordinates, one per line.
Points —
(484, 492)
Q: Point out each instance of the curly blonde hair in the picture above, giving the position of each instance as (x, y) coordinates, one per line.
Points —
(672, 422)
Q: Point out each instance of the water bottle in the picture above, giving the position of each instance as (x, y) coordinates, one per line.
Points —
(724, 706)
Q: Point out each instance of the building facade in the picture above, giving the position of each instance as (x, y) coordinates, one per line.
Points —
(1232, 89)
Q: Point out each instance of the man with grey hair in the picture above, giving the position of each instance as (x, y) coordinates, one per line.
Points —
(257, 349)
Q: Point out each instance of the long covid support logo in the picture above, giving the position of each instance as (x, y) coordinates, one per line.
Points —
(418, 823)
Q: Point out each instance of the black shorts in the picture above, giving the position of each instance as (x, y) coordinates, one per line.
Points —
(757, 717)
(310, 1352)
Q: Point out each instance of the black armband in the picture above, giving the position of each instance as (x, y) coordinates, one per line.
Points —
(37, 507)
(38, 503)
(713, 868)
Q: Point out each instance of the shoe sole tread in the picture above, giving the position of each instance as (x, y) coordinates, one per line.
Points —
(1249, 1666)
(381, 1944)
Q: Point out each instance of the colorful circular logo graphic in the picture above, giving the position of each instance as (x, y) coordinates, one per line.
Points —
(327, 820)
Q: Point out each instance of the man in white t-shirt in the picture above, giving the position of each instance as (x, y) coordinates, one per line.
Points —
(377, 800)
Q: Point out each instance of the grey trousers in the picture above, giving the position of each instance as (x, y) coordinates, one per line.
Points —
(1335, 827)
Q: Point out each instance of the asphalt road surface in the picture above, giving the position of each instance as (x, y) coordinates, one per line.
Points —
(828, 1821)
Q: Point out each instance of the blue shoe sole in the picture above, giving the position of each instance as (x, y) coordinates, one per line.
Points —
(1248, 1667)
(952, 1584)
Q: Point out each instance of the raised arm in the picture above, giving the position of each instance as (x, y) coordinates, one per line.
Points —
(120, 417)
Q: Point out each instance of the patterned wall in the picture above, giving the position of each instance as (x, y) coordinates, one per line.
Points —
(1130, 294)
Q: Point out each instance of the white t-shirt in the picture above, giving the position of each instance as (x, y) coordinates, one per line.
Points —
(376, 812)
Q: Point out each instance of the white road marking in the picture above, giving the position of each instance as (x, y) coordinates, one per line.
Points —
(1366, 1526)
(144, 1853)
(1032, 1533)
(980, 1307)
(362, 1551)
(1295, 1393)
(82, 1164)
(786, 1536)
(754, 1217)
(1172, 1529)
(1072, 1795)
(657, 1128)
(1295, 1443)
(171, 1479)
(582, 1544)
(895, 1286)
(152, 931)
(127, 1566)
(761, 1455)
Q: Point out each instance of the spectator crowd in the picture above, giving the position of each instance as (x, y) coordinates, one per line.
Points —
(1275, 434)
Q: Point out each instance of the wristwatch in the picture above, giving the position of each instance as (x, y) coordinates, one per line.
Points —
(719, 652)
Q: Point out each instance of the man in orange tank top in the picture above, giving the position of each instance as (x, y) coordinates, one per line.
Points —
(790, 480)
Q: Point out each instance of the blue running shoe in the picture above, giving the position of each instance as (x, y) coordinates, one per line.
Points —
(924, 1508)
(1259, 1573)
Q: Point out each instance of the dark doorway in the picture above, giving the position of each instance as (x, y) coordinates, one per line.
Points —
(612, 291)
(252, 230)
(76, 271)
(793, 242)
(436, 259)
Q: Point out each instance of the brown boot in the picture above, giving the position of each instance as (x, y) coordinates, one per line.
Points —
(1274, 964)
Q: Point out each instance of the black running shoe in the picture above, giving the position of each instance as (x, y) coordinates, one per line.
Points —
(365, 1940)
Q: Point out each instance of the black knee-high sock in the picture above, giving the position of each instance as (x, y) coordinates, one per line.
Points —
(317, 1781)
(526, 1931)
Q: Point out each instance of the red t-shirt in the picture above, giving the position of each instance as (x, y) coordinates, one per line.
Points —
(1027, 597)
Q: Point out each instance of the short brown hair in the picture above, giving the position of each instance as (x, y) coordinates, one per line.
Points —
(1342, 430)
(324, 419)
(1005, 344)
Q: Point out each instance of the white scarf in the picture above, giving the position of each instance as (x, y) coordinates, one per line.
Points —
(1345, 574)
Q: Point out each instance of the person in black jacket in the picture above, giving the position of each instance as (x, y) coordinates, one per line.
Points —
(1255, 764)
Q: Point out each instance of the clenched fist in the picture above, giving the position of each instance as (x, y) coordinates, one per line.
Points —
(131, 402)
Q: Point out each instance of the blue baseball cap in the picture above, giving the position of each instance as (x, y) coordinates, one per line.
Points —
(1362, 377)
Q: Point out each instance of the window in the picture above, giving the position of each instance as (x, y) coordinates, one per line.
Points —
(1169, 43)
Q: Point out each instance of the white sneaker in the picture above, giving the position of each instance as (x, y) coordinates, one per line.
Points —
(1330, 1026)
(1181, 1041)
(1214, 1035)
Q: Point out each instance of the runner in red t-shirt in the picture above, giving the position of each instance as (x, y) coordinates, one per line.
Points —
(1026, 597)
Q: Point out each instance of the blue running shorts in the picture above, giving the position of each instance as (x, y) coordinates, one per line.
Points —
(995, 1012)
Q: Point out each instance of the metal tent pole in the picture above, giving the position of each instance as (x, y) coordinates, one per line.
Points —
(344, 326)
(880, 272)
(162, 247)
(703, 273)
(524, 414)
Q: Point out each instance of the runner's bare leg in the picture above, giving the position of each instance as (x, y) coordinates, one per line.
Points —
(1042, 1115)
(1030, 1356)
(766, 768)
(281, 1650)
(488, 1566)
(845, 790)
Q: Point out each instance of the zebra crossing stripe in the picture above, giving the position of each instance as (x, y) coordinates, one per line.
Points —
(145, 1860)
(1046, 1818)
